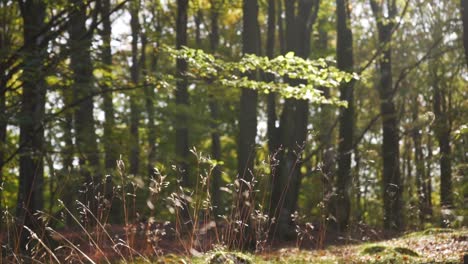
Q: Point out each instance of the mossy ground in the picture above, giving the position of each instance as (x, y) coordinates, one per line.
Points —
(428, 246)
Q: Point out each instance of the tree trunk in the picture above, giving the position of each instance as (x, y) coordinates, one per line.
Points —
(214, 113)
(293, 122)
(83, 88)
(5, 42)
(442, 132)
(110, 151)
(68, 155)
(427, 177)
(464, 11)
(272, 129)
(392, 189)
(247, 130)
(420, 167)
(31, 163)
(182, 102)
(345, 61)
(149, 91)
(134, 104)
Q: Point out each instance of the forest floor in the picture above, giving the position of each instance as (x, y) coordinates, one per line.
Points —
(429, 246)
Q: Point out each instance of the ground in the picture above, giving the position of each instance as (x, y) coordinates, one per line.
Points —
(429, 246)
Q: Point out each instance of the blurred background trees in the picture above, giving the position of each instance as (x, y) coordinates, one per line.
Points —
(84, 83)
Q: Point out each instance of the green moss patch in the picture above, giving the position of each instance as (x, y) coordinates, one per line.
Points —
(371, 250)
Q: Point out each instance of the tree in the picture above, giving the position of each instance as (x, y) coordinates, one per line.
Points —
(464, 11)
(442, 129)
(214, 114)
(300, 17)
(182, 102)
(31, 165)
(135, 77)
(344, 55)
(111, 153)
(247, 125)
(83, 88)
(155, 9)
(392, 189)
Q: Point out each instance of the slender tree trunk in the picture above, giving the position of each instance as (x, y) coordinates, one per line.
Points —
(182, 102)
(272, 129)
(442, 131)
(464, 12)
(67, 156)
(420, 167)
(345, 61)
(83, 86)
(247, 128)
(392, 189)
(214, 113)
(3, 133)
(149, 91)
(3, 142)
(427, 177)
(357, 178)
(407, 171)
(31, 163)
(134, 104)
(293, 122)
(110, 151)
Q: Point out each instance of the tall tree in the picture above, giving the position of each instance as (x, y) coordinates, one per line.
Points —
(300, 17)
(464, 12)
(273, 133)
(135, 76)
(31, 164)
(110, 151)
(442, 128)
(247, 124)
(424, 206)
(83, 88)
(214, 113)
(149, 90)
(344, 55)
(6, 34)
(392, 189)
(182, 102)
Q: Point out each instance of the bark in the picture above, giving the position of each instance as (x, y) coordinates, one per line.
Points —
(134, 104)
(392, 189)
(427, 177)
(68, 155)
(83, 86)
(442, 131)
(345, 62)
(31, 163)
(272, 129)
(247, 128)
(421, 186)
(214, 113)
(464, 12)
(182, 102)
(5, 43)
(149, 91)
(110, 151)
(293, 122)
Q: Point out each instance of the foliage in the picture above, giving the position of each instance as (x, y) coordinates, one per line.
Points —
(311, 73)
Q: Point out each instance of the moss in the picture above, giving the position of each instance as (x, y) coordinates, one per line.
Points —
(229, 258)
(371, 250)
(406, 251)
(434, 231)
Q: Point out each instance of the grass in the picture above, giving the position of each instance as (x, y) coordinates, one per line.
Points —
(96, 240)
(442, 246)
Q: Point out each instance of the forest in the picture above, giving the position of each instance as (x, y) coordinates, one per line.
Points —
(242, 131)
